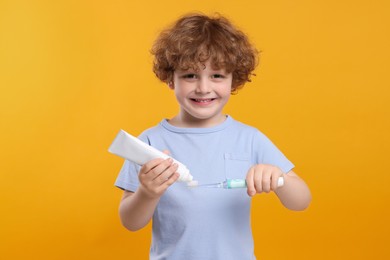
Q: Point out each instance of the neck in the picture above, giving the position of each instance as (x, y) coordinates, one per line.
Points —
(182, 121)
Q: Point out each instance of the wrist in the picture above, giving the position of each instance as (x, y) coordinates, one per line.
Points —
(145, 194)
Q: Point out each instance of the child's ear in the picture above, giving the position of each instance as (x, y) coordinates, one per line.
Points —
(171, 85)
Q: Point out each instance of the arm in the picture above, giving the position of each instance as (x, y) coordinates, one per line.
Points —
(294, 194)
(136, 208)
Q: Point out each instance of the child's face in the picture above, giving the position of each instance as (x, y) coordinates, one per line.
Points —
(202, 95)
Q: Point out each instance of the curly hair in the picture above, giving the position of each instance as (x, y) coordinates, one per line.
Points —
(197, 38)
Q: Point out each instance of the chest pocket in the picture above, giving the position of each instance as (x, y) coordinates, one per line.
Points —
(237, 165)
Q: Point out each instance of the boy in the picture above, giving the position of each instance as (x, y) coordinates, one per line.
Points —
(204, 60)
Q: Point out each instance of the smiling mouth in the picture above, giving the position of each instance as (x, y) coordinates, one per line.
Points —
(208, 100)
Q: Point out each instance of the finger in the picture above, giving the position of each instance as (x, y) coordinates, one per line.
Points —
(258, 177)
(160, 168)
(172, 179)
(147, 167)
(166, 152)
(250, 183)
(167, 173)
(266, 180)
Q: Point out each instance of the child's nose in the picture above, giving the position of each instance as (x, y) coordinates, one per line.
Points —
(203, 86)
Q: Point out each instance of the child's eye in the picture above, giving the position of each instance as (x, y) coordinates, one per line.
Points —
(189, 76)
(218, 76)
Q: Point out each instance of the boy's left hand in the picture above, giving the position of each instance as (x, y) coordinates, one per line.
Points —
(262, 178)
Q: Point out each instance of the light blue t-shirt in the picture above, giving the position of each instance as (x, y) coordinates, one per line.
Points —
(205, 223)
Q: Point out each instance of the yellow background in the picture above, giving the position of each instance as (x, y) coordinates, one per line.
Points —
(72, 73)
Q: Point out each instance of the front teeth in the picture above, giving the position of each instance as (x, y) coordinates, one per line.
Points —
(203, 100)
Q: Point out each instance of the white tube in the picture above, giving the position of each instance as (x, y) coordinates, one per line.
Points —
(133, 149)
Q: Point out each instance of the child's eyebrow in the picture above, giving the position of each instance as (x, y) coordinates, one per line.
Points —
(186, 71)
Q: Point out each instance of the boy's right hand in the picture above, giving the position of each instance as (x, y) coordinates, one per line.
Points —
(156, 176)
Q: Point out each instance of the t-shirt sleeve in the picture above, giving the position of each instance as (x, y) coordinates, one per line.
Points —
(267, 153)
(128, 175)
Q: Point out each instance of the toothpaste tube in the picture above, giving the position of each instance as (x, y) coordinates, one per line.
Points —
(133, 149)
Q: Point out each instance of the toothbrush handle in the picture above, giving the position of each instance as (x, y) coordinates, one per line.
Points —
(240, 183)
